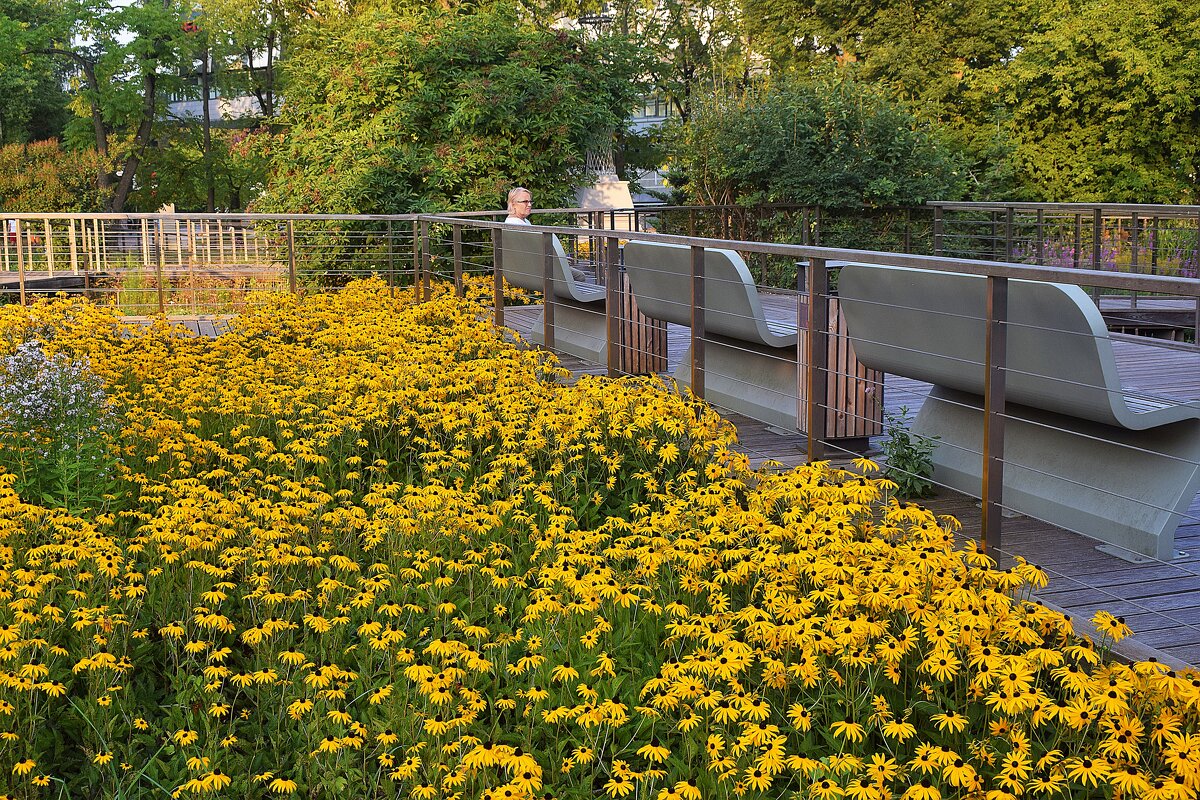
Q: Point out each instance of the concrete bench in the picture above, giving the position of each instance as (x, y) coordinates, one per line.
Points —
(749, 359)
(580, 327)
(1081, 450)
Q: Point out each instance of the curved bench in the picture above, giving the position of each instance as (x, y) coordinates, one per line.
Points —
(1078, 444)
(749, 358)
(580, 327)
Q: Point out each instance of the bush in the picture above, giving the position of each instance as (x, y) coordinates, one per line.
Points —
(41, 177)
(834, 142)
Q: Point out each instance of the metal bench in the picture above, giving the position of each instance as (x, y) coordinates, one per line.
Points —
(749, 357)
(1081, 450)
(580, 327)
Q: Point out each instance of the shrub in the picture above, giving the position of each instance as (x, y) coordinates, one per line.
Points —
(834, 142)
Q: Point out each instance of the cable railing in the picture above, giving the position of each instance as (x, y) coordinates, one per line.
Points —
(1140, 239)
(691, 306)
(625, 301)
(793, 358)
(198, 263)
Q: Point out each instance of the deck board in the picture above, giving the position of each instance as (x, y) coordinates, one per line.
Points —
(1161, 601)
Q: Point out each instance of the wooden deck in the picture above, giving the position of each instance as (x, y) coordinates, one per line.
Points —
(1160, 601)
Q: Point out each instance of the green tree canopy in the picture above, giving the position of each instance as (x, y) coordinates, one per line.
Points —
(440, 110)
(1105, 105)
(834, 142)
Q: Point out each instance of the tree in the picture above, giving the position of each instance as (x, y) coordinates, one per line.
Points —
(693, 47)
(33, 105)
(40, 177)
(1105, 106)
(833, 142)
(124, 56)
(426, 109)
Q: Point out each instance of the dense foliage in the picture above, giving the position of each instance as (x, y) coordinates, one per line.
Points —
(432, 110)
(1105, 106)
(836, 143)
(40, 177)
(370, 549)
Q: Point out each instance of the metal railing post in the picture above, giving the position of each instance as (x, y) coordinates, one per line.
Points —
(49, 234)
(1040, 244)
(817, 357)
(498, 277)
(938, 223)
(291, 246)
(611, 307)
(391, 259)
(1008, 233)
(698, 306)
(995, 365)
(4, 258)
(1134, 243)
(426, 261)
(456, 240)
(416, 259)
(548, 289)
(1097, 238)
(21, 259)
(1079, 241)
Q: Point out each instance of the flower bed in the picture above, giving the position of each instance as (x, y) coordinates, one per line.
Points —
(361, 548)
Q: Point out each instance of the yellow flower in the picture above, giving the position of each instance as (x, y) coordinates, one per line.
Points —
(654, 752)
(950, 721)
(185, 737)
(283, 786)
(922, 790)
(102, 758)
(1110, 626)
(850, 731)
(618, 786)
(24, 766)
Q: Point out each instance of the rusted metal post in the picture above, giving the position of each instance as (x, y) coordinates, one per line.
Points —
(416, 261)
(391, 258)
(1153, 237)
(1008, 233)
(498, 276)
(1040, 244)
(611, 307)
(1134, 244)
(995, 366)
(426, 261)
(548, 290)
(456, 243)
(291, 246)
(937, 230)
(1079, 241)
(698, 305)
(817, 357)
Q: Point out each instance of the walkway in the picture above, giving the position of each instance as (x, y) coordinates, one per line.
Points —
(1160, 601)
